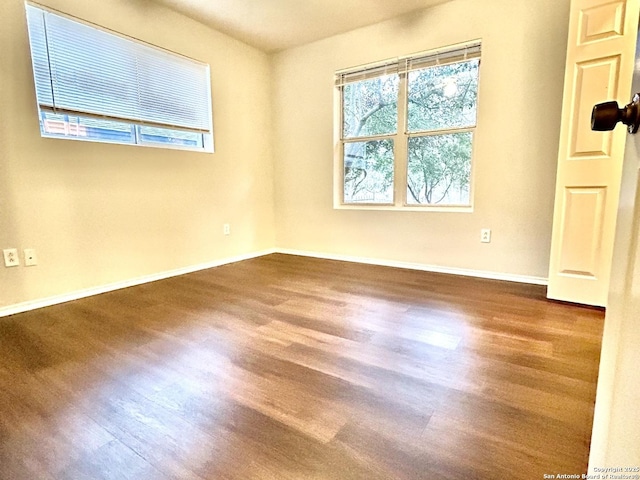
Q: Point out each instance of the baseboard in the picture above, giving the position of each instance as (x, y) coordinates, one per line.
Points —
(87, 292)
(509, 277)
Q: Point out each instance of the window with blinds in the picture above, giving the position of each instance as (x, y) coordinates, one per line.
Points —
(93, 84)
(406, 130)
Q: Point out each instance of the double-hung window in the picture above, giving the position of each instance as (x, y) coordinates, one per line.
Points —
(93, 84)
(406, 129)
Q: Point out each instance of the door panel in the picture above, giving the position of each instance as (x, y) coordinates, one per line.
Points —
(601, 22)
(582, 228)
(596, 79)
(600, 61)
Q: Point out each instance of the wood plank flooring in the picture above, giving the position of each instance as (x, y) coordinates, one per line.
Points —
(285, 367)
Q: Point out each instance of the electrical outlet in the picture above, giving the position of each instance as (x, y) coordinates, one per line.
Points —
(30, 258)
(485, 235)
(226, 229)
(11, 257)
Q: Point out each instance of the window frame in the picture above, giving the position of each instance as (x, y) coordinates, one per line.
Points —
(401, 137)
(202, 135)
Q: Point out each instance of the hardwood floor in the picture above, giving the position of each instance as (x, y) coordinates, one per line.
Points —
(284, 367)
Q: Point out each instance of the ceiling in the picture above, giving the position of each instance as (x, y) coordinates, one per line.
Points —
(273, 25)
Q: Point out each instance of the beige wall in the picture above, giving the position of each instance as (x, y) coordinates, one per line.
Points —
(521, 77)
(100, 213)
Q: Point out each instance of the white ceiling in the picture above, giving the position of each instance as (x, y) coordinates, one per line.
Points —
(273, 25)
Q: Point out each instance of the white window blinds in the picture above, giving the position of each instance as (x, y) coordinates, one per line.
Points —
(83, 70)
(443, 56)
(451, 54)
(364, 73)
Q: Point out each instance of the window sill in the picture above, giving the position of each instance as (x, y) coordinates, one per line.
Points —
(406, 208)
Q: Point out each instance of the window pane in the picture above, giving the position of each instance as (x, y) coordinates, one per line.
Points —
(443, 97)
(371, 107)
(69, 126)
(368, 172)
(96, 129)
(166, 136)
(439, 169)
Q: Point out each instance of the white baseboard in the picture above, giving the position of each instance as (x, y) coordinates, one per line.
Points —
(87, 292)
(509, 277)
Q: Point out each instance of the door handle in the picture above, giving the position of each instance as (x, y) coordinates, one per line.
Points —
(605, 116)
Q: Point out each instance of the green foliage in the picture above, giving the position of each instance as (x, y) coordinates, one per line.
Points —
(443, 97)
(438, 166)
(371, 107)
(368, 175)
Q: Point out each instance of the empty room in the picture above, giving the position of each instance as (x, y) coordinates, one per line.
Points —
(319, 239)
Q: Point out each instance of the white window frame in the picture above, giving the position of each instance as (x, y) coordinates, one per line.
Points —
(174, 106)
(401, 65)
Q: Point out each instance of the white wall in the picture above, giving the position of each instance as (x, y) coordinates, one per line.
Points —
(521, 77)
(100, 213)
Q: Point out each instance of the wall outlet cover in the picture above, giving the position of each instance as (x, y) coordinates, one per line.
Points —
(11, 258)
(30, 257)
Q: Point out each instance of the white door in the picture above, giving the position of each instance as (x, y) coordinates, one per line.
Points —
(616, 427)
(600, 53)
